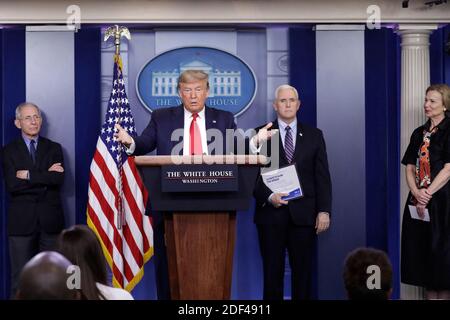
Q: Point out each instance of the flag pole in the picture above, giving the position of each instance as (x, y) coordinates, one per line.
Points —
(117, 33)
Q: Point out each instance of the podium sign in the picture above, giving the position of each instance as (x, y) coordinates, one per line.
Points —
(199, 178)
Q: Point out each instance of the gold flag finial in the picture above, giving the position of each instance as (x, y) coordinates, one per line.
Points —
(117, 32)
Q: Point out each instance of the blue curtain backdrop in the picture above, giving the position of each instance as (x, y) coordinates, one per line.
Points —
(382, 62)
(302, 66)
(87, 111)
(440, 61)
(12, 92)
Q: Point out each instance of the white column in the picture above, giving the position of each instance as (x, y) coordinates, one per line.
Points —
(415, 79)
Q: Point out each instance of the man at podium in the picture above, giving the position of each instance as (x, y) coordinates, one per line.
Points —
(194, 118)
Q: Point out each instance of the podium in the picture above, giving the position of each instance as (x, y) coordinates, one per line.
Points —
(200, 225)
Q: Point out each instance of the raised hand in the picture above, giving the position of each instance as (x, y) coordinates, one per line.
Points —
(122, 136)
(264, 134)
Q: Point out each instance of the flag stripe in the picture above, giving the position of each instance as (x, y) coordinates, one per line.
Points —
(105, 241)
(135, 236)
(146, 223)
(109, 216)
(136, 206)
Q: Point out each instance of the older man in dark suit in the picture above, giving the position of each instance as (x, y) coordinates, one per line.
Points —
(292, 225)
(34, 172)
(194, 122)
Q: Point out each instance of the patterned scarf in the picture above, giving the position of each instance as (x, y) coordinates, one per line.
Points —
(423, 171)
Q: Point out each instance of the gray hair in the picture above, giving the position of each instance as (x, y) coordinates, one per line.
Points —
(189, 76)
(24, 104)
(284, 87)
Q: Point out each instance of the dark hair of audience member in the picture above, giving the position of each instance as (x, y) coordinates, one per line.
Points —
(356, 274)
(81, 246)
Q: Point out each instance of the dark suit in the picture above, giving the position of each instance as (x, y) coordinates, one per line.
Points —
(35, 214)
(292, 226)
(164, 121)
(157, 135)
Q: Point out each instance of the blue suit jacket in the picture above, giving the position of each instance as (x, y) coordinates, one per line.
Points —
(157, 135)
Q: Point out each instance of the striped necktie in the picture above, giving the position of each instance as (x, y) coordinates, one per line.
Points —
(288, 145)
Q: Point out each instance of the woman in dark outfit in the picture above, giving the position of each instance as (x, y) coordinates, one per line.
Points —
(426, 245)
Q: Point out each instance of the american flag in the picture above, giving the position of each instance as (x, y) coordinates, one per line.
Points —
(117, 195)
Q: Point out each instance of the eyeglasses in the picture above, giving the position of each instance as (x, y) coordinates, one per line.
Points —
(31, 118)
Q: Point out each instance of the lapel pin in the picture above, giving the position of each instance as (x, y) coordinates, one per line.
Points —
(214, 121)
(300, 134)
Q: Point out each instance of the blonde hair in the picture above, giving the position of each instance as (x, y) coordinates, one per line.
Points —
(444, 90)
(189, 76)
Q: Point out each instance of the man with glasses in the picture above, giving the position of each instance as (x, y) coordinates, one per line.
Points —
(34, 173)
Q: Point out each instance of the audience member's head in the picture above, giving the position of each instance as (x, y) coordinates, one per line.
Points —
(45, 277)
(368, 275)
(80, 245)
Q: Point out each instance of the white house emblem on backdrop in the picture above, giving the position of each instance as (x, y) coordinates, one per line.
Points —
(225, 83)
(232, 82)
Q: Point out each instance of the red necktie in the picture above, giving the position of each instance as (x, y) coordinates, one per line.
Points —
(195, 142)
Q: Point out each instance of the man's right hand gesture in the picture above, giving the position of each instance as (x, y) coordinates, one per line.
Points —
(122, 136)
(264, 134)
